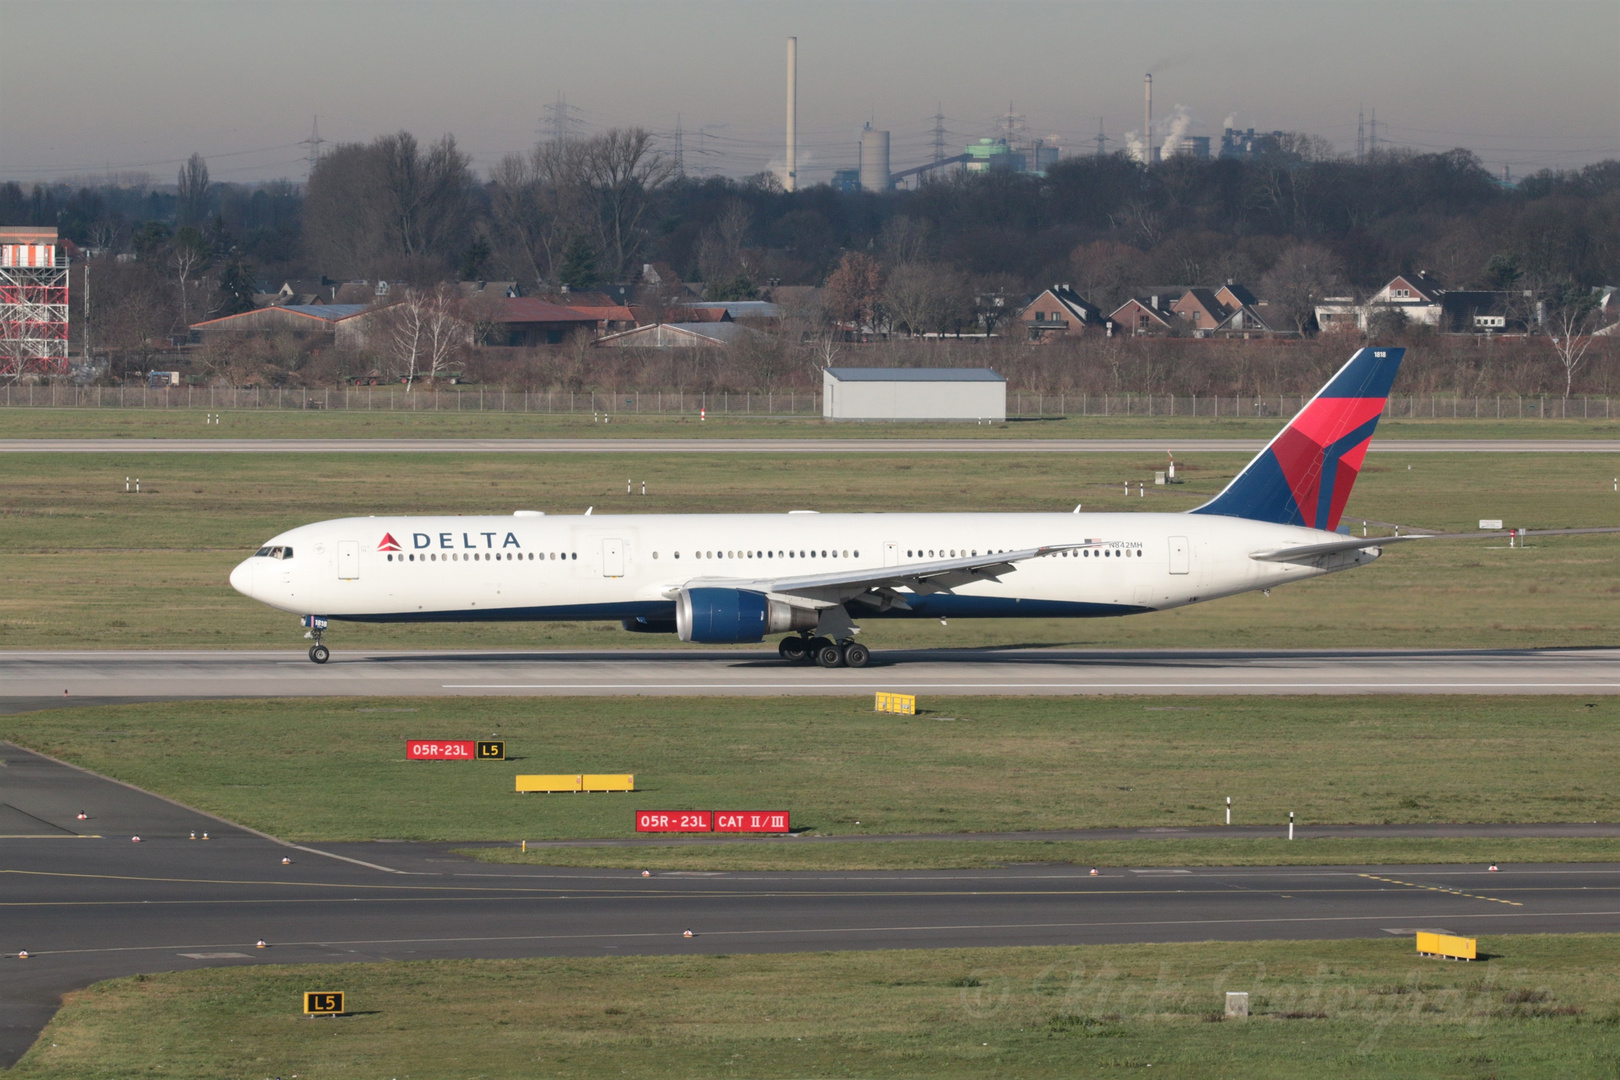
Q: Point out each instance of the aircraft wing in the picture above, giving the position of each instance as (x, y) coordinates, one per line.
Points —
(1306, 552)
(879, 585)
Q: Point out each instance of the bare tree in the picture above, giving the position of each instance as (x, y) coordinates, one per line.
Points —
(188, 256)
(425, 330)
(622, 171)
(192, 203)
(1301, 277)
(721, 253)
(1571, 324)
(925, 296)
(537, 204)
(390, 206)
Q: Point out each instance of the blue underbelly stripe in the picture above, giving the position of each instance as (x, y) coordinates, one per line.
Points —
(922, 607)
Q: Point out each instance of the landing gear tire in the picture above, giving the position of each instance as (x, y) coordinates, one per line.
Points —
(793, 649)
(857, 655)
(320, 653)
(830, 655)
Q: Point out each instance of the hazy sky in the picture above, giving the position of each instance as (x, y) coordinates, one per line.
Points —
(140, 84)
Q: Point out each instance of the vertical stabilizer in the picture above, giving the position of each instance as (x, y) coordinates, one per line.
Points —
(1304, 475)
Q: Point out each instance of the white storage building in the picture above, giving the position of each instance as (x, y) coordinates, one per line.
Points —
(913, 394)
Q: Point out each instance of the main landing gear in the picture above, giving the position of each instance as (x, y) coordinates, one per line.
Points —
(804, 649)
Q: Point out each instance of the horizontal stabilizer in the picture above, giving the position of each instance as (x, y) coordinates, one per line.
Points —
(1307, 552)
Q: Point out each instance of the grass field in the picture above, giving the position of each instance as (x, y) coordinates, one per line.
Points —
(324, 769)
(89, 566)
(189, 423)
(1538, 1007)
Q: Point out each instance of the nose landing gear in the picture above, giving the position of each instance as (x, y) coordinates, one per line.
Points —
(318, 653)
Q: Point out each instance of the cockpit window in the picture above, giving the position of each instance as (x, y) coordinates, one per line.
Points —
(274, 552)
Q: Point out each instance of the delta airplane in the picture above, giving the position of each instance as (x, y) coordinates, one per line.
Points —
(730, 578)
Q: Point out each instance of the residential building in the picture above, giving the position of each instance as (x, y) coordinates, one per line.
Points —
(1143, 315)
(522, 321)
(299, 320)
(1059, 312)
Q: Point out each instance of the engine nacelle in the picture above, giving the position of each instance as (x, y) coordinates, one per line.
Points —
(733, 616)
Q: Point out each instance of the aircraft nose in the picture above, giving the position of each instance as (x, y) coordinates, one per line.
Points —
(242, 577)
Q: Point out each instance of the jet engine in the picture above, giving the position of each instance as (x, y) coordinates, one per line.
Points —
(731, 616)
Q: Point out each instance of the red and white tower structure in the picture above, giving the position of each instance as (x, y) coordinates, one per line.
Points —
(33, 303)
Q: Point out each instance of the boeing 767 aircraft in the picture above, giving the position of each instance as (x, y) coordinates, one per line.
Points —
(729, 578)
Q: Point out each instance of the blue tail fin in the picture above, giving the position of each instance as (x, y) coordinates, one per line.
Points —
(1304, 475)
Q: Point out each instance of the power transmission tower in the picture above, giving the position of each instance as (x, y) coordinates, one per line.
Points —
(679, 155)
(561, 120)
(1102, 139)
(314, 143)
(1372, 140)
(1361, 136)
(939, 136)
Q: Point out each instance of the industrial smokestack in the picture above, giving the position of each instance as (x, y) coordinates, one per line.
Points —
(1147, 123)
(792, 114)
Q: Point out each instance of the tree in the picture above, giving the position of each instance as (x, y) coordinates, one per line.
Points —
(925, 296)
(720, 247)
(1571, 318)
(235, 287)
(854, 291)
(1301, 277)
(191, 206)
(389, 209)
(188, 256)
(424, 330)
(578, 269)
(537, 204)
(621, 171)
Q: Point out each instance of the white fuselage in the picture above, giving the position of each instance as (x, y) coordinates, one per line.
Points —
(536, 567)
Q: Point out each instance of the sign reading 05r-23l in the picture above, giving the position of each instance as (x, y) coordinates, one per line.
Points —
(454, 750)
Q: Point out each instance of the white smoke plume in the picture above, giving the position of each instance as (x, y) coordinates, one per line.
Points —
(1175, 128)
(1135, 147)
(1230, 121)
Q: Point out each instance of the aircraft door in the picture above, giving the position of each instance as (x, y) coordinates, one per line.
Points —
(348, 560)
(1180, 559)
(891, 553)
(613, 558)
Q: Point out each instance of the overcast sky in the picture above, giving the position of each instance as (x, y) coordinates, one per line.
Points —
(140, 84)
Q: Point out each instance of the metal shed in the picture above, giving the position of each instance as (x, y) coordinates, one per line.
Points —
(913, 394)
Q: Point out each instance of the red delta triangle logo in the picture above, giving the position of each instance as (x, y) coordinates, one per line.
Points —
(1312, 457)
(388, 543)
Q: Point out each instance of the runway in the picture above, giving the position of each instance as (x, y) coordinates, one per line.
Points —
(88, 903)
(39, 679)
(873, 445)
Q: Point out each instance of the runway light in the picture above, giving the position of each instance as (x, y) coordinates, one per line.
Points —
(134, 839)
(687, 934)
(194, 836)
(1493, 868)
(646, 873)
(23, 955)
(1093, 871)
(261, 944)
(286, 861)
(83, 815)
(205, 836)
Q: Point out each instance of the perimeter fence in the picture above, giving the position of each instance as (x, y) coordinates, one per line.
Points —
(1021, 404)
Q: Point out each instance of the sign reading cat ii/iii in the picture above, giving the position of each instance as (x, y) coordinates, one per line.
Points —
(323, 1002)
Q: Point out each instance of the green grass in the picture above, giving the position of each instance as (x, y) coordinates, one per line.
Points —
(90, 567)
(325, 769)
(189, 423)
(980, 854)
(1539, 1007)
